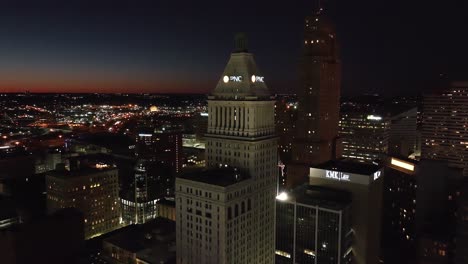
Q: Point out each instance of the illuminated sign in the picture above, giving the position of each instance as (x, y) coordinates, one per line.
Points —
(336, 175)
(373, 117)
(145, 135)
(377, 175)
(204, 114)
(257, 78)
(227, 79)
(402, 164)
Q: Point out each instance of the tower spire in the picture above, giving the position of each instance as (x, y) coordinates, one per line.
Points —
(241, 42)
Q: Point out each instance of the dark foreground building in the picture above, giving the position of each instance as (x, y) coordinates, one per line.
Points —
(313, 226)
(365, 184)
(56, 239)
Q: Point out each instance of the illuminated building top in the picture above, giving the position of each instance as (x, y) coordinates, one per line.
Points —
(241, 79)
(347, 172)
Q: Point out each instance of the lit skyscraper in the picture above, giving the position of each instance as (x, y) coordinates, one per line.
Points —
(445, 126)
(319, 98)
(226, 213)
(445, 138)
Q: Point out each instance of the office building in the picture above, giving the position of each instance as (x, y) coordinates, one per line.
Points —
(399, 216)
(372, 127)
(444, 128)
(162, 144)
(159, 159)
(364, 136)
(365, 184)
(403, 135)
(150, 183)
(420, 206)
(319, 98)
(92, 190)
(226, 213)
(313, 225)
(285, 119)
(445, 138)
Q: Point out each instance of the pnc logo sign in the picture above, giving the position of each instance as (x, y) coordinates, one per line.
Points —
(227, 79)
(336, 175)
(257, 78)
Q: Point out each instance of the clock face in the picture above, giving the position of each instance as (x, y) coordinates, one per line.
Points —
(253, 78)
(226, 79)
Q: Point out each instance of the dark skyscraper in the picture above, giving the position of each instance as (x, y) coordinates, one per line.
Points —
(319, 97)
(159, 153)
(313, 226)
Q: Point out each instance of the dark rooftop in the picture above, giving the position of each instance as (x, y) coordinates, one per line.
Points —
(322, 196)
(167, 202)
(223, 176)
(154, 239)
(7, 208)
(345, 165)
(77, 172)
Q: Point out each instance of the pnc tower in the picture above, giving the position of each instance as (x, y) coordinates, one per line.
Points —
(226, 213)
(319, 98)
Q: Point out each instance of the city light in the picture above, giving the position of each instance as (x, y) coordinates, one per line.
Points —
(402, 164)
(373, 117)
(282, 196)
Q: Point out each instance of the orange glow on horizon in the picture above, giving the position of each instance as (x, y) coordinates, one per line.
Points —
(106, 87)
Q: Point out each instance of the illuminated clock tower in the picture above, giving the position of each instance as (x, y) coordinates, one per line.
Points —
(316, 135)
(226, 213)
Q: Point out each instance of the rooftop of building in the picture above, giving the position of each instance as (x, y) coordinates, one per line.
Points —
(322, 196)
(79, 172)
(222, 176)
(349, 166)
(166, 202)
(153, 241)
(241, 79)
(163, 129)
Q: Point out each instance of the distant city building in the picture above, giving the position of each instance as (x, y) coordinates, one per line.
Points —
(372, 127)
(403, 135)
(149, 243)
(139, 201)
(313, 226)
(445, 138)
(319, 98)
(364, 136)
(226, 213)
(93, 191)
(201, 125)
(47, 161)
(162, 144)
(159, 159)
(285, 118)
(365, 184)
(444, 128)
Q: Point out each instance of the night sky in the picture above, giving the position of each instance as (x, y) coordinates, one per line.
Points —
(390, 47)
